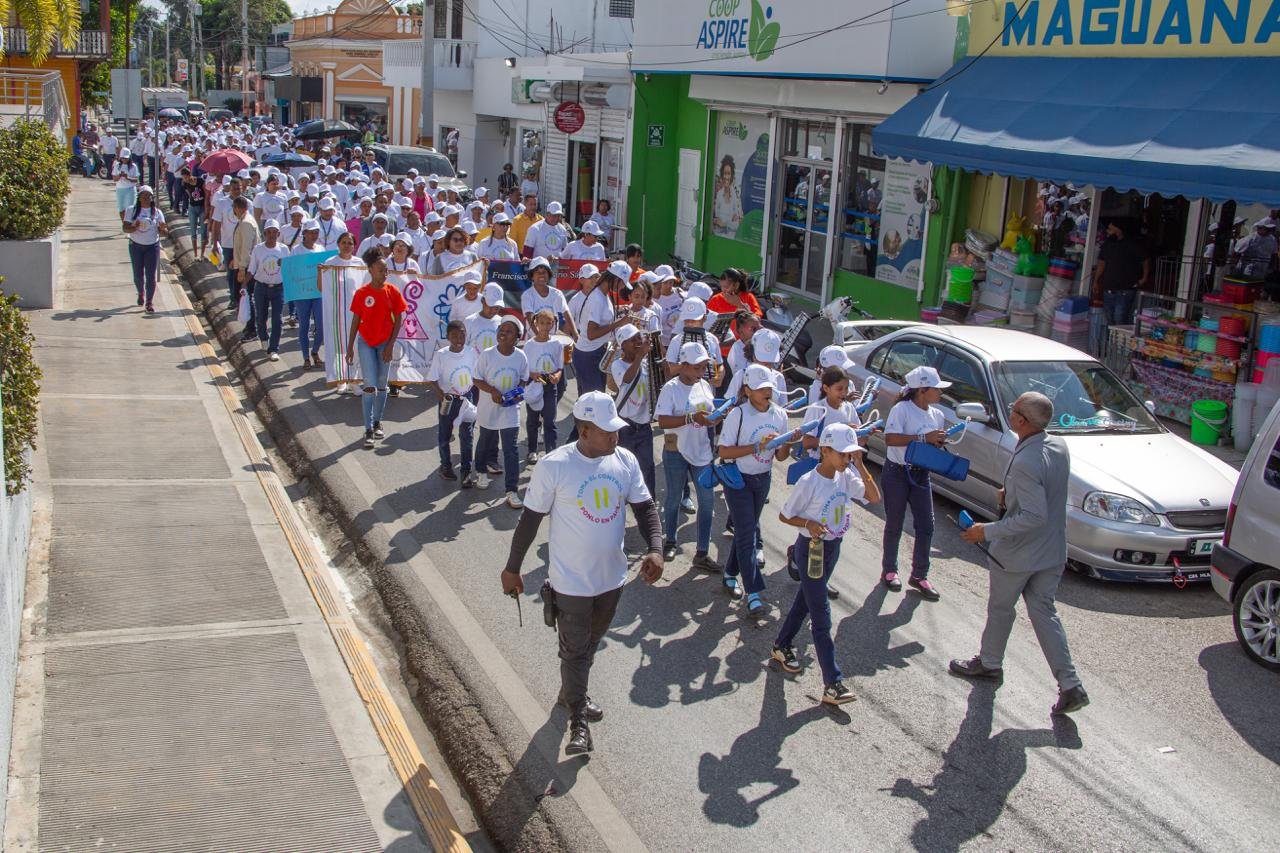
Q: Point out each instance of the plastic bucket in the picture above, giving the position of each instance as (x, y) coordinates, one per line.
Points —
(960, 291)
(1269, 337)
(1208, 417)
(962, 275)
(1231, 324)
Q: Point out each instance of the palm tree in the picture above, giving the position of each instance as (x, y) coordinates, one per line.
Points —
(45, 21)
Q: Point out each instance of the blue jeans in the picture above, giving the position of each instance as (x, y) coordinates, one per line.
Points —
(678, 471)
(745, 506)
(902, 487)
(199, 230)
(1118, 305)
(144, 259)
(373, 376)
(308, 310)
(233, 286)
(268, 296)
(638, 438)
(544, 418)
(586, 370)
(444, 433)
(811, 601)
(486, 446)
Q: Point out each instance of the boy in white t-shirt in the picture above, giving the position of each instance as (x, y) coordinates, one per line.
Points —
(546, 367)
(500, 370)
(452, 375)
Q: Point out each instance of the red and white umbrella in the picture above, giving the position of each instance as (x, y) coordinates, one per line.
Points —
(226, 161)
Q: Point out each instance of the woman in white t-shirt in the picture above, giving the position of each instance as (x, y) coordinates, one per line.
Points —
(402, 269)
(455, 254)
(126, 176)
(346, 258)
(144, 223)
(913, 418)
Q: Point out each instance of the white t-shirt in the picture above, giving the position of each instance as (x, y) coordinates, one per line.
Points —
(147, 234)
(909, 419)
(493, 249)
(546, 240)
(482, 332)
(544, 356)
(401, 274)
(737, 359)
(636, 409)
(586, 499)
(593, 307)
(820, 411)
(828, 501)
(580, 251)
(264, 263)
(503, 372)
(677, 398)
(272, 205)
(224, 212)
(747, 425)
(110, 145)
(453, 371)
(460, 307)
(330, 231)
(448, 261)
(125, 173)
(371, 242)
(532, 302)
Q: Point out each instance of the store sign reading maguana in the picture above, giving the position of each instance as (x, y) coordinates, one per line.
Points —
(740, 175)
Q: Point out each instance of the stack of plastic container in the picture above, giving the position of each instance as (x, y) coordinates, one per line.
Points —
(1268, 346)
(1071, 322)
(1056, 288)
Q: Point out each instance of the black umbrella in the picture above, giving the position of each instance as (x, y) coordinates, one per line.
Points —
(170, 112)
(287, 160)
(323, 128)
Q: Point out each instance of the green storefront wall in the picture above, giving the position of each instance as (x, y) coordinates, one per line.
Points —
(663, 99)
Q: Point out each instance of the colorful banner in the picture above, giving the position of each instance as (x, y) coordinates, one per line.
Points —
(738, 177)
(903, 212)
(337, 286)
(512, 276)
(301, 278)
(566, 279)
(426, 322)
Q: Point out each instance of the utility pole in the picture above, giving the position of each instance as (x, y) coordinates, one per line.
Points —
(244, 56)
(425, 132)
(168, 60)
(193, 71)
(199, 60)
(151, 71)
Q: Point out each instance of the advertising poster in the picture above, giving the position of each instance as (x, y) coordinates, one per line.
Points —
(738, 176)
(902, 222)
(300, 275)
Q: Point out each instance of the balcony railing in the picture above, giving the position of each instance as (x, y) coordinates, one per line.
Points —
(454, 53)
(34, 95)
(92, 44)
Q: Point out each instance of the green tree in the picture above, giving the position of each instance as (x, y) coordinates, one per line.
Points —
(45, 21)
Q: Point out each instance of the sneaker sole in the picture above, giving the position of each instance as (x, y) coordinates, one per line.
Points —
(783, 666)
(845, 701)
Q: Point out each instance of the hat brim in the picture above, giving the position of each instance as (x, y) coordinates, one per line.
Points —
(613, 424)
(855, 448)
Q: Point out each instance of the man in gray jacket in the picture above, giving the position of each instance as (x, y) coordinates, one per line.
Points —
(1028, 550)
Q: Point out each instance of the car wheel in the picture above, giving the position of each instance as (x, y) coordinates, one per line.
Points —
(1256, 617)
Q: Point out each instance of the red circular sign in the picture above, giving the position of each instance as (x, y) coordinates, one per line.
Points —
(570, 117)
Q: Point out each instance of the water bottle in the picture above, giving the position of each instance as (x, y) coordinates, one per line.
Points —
(817, 553)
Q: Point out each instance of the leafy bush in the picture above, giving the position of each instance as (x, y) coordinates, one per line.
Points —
(34, 181)
(19, 392)
(233, 104)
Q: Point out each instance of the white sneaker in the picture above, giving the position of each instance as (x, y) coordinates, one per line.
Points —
(532, 458)
(513, 501)
(274, 356)
(345, 388)
(482, 481)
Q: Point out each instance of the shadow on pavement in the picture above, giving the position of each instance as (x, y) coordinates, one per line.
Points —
(1132, 599)
(1247, 695)
(754, 761)
(978, 773)
(863, 640)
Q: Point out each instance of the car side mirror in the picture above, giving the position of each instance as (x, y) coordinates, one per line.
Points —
(462, 174)
(973, 411)
(1150, 406)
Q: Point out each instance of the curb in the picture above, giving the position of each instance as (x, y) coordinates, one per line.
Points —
(460, 712)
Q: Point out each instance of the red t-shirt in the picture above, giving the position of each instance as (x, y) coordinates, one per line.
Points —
(374, 306)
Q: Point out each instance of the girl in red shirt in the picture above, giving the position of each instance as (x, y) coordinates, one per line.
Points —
(377, 310)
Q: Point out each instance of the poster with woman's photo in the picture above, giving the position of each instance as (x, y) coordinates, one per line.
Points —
(739, 173)
(903, 212)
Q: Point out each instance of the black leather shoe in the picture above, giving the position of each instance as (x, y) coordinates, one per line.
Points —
(579, 737)
(669, 550)
(973, 668)
(592, 712)
(1070, 701)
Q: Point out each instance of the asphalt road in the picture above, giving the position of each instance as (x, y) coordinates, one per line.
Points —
(706, 746)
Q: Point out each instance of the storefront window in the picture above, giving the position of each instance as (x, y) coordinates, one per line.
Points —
(530, 154)
(860, 207)
(812, 140)
(362, 115)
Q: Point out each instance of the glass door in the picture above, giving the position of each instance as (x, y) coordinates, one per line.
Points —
(803, 221)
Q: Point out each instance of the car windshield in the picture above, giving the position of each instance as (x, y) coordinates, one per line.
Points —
(426, 162)
(1087, 398)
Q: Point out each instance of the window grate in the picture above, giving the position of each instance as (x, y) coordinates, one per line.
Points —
(622, 8)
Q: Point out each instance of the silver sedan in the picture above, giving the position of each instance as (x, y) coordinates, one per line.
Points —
(1144, 505)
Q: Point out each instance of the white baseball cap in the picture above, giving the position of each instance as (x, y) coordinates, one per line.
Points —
(841, 438)
(757, 376)
(404, 237)
(592, 228)
(767, 346)
(482, 192)
(269, 224)
(381, 216)
(621, 269)
(664, 272)
(513, 320)
(693, 353)
(554, 209)
(543, 263)
(597, 408)
(693, 308)
(325, 203)
(701, 290)
(501, 219)
(834, 356)
(586, 271)
(493, 295)
(310, 225)
(925, 377)
(626, 332)
(469, 228)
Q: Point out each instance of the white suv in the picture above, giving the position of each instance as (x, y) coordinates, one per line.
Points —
(1245, 568)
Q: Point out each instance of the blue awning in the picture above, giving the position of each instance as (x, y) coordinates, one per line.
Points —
(1200, 128)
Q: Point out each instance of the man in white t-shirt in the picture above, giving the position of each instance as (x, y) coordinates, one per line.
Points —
(272, 203)
(584, 486)
(224, 223)
(549, 236)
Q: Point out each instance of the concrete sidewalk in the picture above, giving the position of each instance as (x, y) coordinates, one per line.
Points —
(190, 678)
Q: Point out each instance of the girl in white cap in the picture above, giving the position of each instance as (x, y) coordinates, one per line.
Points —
(499, 370)
(546, 369)
(144, 223)
(915, 417)
(126, 176)
(401, 269)
(821, 505)
(543, 294)
(587, 247)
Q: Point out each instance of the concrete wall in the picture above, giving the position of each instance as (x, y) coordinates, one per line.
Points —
(15, 532)
(29, 269)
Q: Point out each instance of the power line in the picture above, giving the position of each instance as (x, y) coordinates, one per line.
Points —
(1007, 24)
